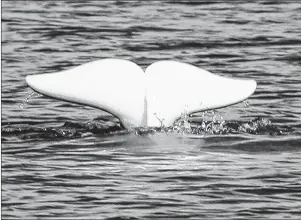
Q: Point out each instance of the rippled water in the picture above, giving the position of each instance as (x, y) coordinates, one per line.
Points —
(62, 160)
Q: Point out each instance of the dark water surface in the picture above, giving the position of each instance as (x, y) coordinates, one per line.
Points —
(61, 160)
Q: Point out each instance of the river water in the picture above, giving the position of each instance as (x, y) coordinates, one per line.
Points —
(63, 160)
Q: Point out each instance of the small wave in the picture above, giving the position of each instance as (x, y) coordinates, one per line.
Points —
(69, 130)
(109, 127)
(230, 43)
(193, 3)
(293, 58)
(51, 50)
(270, 2)
(54, 32)
(154, 28)
(239, 22)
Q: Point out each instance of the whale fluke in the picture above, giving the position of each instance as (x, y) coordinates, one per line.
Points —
(175, 88)
(154, 98)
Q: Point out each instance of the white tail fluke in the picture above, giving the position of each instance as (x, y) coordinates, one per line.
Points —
(175, 88)
(154, 98)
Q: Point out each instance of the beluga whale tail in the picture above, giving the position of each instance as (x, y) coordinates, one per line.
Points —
(156, 97)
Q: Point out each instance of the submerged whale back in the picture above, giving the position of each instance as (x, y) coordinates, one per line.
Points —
(154, 98)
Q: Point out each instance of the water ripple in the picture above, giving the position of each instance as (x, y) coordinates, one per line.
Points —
(62, 160)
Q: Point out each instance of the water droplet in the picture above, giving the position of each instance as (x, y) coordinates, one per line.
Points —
(26, 100)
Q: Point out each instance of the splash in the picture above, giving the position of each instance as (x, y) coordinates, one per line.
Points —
(211, 123)
(214, 123)
(182, 125)
(246, 103)
(28, 97)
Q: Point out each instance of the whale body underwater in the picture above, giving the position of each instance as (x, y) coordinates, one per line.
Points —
(154, 98)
